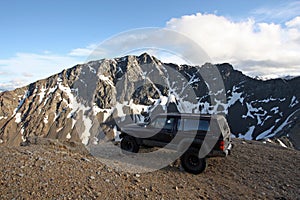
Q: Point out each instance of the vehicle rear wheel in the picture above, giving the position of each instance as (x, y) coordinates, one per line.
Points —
(129, 144)
(191, 162)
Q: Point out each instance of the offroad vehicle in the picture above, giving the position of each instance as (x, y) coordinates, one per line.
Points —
(195, 136)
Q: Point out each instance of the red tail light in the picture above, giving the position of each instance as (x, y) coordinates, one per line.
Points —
(222, 145)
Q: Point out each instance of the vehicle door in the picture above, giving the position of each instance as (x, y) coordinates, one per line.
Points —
(164, 128)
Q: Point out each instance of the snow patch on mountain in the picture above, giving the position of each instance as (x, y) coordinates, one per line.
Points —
(116, 134)
(284, 124)
(265, 120)
(78, 107)
(92, 69)
(85, 135)
(294, 102)
(163, 100)
(234, 98)
(52, 90)
(68, 136)
(265, 133)
(22, 134)
(61, 128)
(119, 108)
(275, 110)
(2, 117)
(42, 94)
(46, 119)
(281, 143)
(248, 135)
(252, 111)
(189, 107)
(106, 112)
(18, 118)
(22, 101)
(106, 80)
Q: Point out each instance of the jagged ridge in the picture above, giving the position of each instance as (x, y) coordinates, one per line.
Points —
(80, 103)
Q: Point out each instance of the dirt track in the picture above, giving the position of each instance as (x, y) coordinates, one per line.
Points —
(55, 171)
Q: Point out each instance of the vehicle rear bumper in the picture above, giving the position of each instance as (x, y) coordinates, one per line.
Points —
(218, 153)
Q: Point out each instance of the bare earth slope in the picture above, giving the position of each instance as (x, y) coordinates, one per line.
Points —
(58, 171)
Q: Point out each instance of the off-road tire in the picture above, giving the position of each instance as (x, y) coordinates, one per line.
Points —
(129, 144)
(191, 162)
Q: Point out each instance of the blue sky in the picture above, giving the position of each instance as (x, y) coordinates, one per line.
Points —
(40, 38)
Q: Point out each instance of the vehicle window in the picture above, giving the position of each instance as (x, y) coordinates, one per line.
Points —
(159, 123)
(194, 125)
(204, 126)
(169, 124)
(180, 125)
(163, 123)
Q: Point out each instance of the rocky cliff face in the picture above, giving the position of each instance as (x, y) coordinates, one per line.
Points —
(90, 101)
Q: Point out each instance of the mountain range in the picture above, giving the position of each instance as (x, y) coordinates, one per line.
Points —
(90, 102)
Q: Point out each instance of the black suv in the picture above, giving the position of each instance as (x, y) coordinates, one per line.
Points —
(195, 136)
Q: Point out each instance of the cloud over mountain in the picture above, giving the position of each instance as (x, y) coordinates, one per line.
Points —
(254, 47)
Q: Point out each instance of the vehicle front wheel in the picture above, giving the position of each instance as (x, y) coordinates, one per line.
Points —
(129, 144)
(191, 162)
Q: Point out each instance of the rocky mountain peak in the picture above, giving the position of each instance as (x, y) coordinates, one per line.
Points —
(145, 58)
(226, 68)
(90, 101)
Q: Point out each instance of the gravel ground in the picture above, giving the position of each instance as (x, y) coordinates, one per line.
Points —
(54, 170)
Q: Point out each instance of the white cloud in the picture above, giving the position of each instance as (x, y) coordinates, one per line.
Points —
(12, 84)
(294, 23)
(161, 54)
(256, 48)
(30, 62)
(25, 74)
(83, 51)
(25, 68)
(156, 41)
